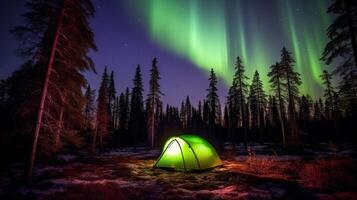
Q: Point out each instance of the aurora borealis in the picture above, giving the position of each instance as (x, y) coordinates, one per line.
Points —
(210, 34)
(191, 36)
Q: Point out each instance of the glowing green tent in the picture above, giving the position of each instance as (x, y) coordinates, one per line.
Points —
(188, 152)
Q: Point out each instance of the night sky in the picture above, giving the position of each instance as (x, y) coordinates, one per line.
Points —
(191, 36)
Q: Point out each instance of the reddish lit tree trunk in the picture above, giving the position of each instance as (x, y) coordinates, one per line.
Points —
(44, 94)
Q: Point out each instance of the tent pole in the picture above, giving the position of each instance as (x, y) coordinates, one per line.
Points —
(163, 153)
(183, 159)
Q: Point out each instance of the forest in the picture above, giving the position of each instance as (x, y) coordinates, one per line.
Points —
(48, 109)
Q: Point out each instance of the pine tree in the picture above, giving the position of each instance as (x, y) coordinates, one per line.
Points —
(292, 82)
(188, 112)
(102, 116)
(226, 118)
(276, 75)
(124, 110)
(183, 115)
(137, 116)
(154, 102)
(257, 101)
(238, 92)
(105, 81)
(199, 110)
(306, 104)
(50, 35)
(273, 111)
(317, 111)
(111, 99)
(116, 113)
(236, 98)
(342, 49)
(127, 107)
(213, 104)
(329, 93)
(89, 109)
(342, 34)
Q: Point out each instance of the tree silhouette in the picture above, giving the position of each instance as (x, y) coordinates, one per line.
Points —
(124, 110)
(212, 104)
(305, 111)
(276, 80)
(111, 99)
(257, 101)
(293, 80)
(342, 50)
(89, 109)
(137, 116)
(102, 116)
(328, 94)
(236, 98)
(154, 102)
(58, 36)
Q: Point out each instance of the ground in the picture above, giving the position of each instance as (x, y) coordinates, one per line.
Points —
(322, 172)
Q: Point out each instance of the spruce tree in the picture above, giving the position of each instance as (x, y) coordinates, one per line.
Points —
(342, 51)
(273, 111)
(57, 35)
(317, 111)
(328, 94)
(257, 101)
(111, 99)
(183, 115)
(116, 114)
(213, 104)
(292, 80)
(306, 104)
(236, 99)
(188, 113)
(200, 110)
(89, 109)
(102, 116)
(137, 116)
(124, 110)
(277, 83)
(153, 102)
(342, 35)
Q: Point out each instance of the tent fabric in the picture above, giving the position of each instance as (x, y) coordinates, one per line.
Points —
(187, 153)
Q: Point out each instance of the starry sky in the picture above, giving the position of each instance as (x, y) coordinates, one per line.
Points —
(189, 37)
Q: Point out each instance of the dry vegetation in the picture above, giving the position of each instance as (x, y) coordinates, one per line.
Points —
(129, 175)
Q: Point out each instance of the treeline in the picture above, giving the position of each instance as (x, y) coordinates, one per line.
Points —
(249, 113)
(48, 107)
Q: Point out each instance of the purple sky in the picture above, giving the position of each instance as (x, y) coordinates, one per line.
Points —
(122, 44)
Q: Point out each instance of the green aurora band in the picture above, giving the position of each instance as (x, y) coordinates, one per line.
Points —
(211, 34)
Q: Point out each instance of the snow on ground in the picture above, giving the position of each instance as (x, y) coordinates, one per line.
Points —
(128, 174)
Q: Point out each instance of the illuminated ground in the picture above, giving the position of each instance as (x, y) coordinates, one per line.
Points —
(128, 174)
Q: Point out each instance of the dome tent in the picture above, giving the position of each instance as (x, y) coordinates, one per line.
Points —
(188, 153)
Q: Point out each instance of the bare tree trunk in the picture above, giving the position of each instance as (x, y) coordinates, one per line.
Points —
(59, 128)
(293, 127)
(44, 95)
(281, 115)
